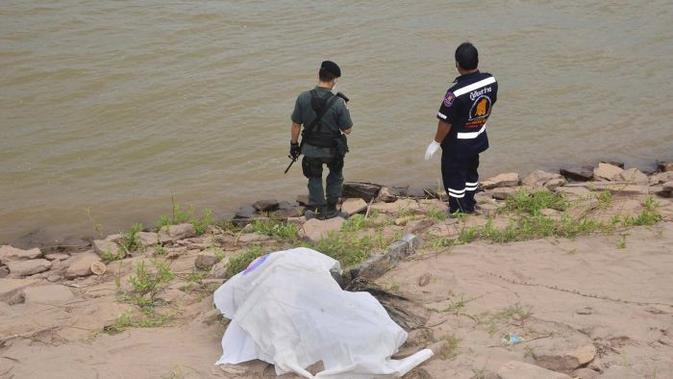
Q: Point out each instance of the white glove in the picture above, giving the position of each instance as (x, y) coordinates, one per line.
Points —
(432, 149)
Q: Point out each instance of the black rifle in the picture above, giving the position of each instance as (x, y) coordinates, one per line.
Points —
(315, 122)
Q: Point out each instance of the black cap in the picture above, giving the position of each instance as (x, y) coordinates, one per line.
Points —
(331, 67)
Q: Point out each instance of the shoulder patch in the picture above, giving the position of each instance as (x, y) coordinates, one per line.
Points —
(449, 98)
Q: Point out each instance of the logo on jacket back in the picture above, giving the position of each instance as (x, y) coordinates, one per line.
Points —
(481, 108)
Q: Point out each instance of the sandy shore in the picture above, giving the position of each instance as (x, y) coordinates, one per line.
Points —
(589, 294)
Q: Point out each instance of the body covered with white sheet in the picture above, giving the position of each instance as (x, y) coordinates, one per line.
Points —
(286, 309)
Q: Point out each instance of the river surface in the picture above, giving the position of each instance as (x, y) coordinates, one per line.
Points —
(109, 108)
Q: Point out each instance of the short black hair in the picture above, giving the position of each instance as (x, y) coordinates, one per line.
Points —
(326, 76)
(467, 56)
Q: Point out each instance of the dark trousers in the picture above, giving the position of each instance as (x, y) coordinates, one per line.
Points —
(460, 177)
(312, 168)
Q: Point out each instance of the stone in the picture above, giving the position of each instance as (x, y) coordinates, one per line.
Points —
(619, 164)
(575, 192)
(543, 179)
(376, 266)
(253, 237)
(52, 294)
(566, 361)
(9, 288)
(607, 171)
(665, 166)
(353, 206)
(20, 269)
(98, 268)
(105, 247)
(363, 190)
(416, 227)
(633, 175)
(620, 372)
(57, 256)
(266, 205)
(578, 174)
(521, 370)
(9, 253)
(172, 233)
(4, 272)
(661, 177)
(668, 186)
(509, 179)
(315, 229)
(247, 211)
(396, 207)
(488, 210)
(617, 188)
(386, 195)
(302, 200)
(205, 262)
(503, 193)
(219, 270)
(148, 239)
(80, 265)
(586, 373)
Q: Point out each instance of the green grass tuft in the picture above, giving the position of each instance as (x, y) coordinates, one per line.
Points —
(533, 202)
(647, 217)
(437, 214)
(129, 241)
(276, 229)
(147, 284)
(241, 261)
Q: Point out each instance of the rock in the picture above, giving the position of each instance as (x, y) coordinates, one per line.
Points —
(9, 288)
(633, 175)
(586, 373)
(543, 179)
(365, 191)
(302, 200)
(376, 266)
(353, 206)
(20, 269)
(205, 262)
(172, 233)
(503, 193)
(148, 239)
(266, 205)
(620, 372)
(105, 247)
(607, 171)
(488, 210)
(386, 195)
(668, 187)
(315, 229)
(247, 211)
(416, 227)
(9, 253)
(52, 294)
(253, 237)
(661, 177)
(287, 210)
(57, 256)
(617, 188)
(619, 164)
(296, 220)
(509, 179)
(80, 265)
(4, 272)
(578, 174)
(521, 370)
(219, 270)
(575, 192)
(568, 361)
(665, 166)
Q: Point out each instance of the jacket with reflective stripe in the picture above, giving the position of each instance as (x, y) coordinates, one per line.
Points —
(467, 106)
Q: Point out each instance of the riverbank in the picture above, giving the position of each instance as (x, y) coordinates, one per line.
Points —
(568, 276)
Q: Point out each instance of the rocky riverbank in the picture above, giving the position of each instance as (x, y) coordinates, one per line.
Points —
(557, 275)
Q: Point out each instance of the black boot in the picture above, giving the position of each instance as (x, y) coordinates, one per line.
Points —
(328, 211)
